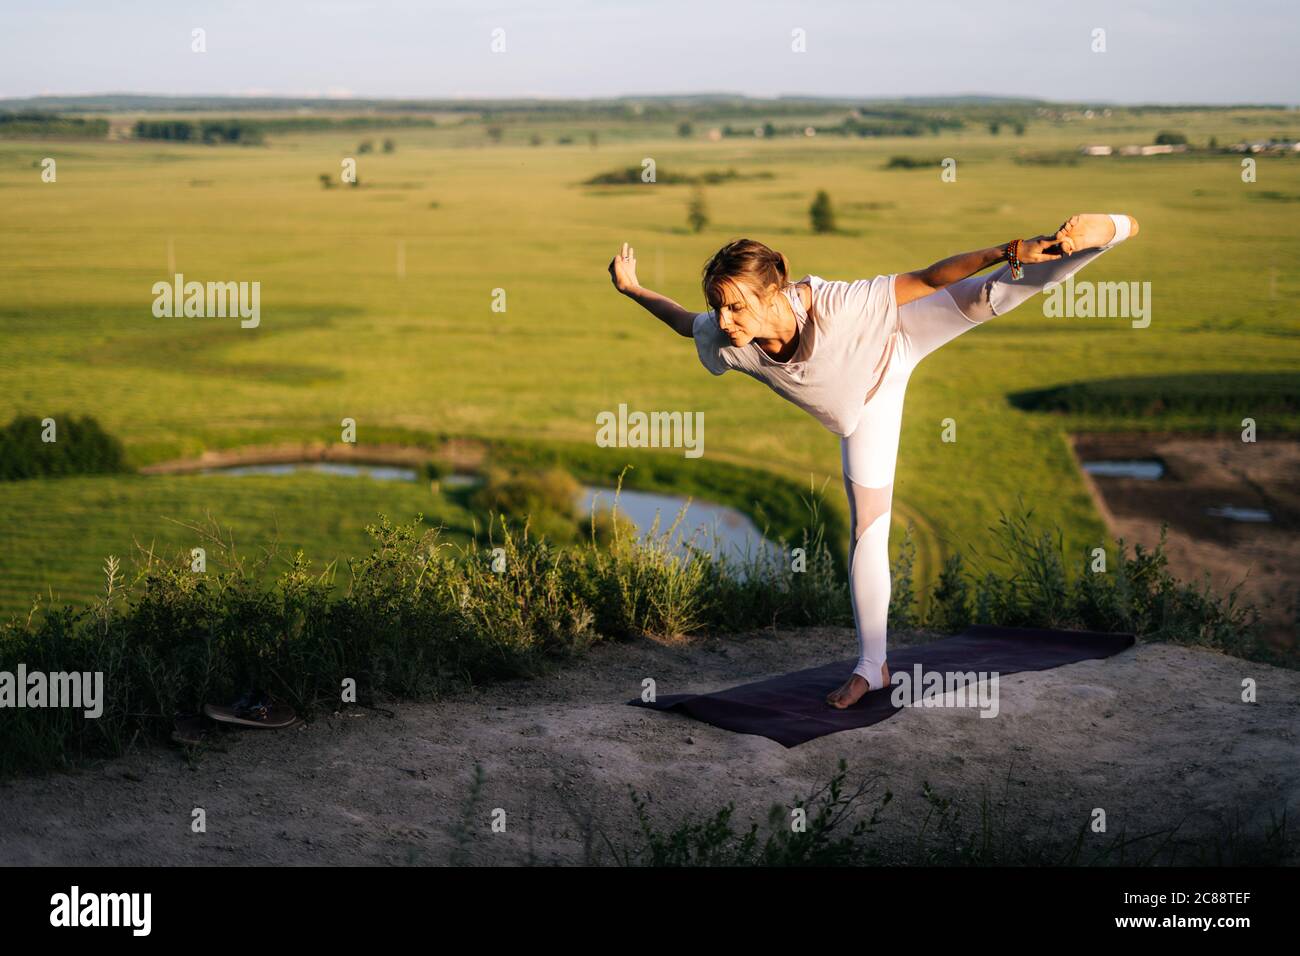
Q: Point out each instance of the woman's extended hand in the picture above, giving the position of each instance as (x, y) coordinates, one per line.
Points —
(622, 270)
(1040, 249)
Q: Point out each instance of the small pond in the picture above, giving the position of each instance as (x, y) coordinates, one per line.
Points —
(735, 534)
(1143, 469)
(1248, 515)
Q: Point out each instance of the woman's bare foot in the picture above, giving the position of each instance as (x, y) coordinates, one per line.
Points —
(1089, 230)
(853, 689)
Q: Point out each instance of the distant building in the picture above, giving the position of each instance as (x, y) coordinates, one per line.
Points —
(1096, 150)
(1267, 146)
(1159, 150)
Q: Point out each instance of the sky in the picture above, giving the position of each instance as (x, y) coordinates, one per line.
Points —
(1155, 51)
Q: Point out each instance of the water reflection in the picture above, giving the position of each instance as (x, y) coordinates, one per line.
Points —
(1144, 469)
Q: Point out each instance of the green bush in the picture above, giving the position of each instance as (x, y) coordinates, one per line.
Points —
(548, 498)
(912, 162)
(1214, 393)
(81, 447)
(1026, 581)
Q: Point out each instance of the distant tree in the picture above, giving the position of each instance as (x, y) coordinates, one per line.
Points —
(365, 146)
(593, 138)
(83, 448)
(165, 129)
(326, 181)
(684, 130)
(494, 133)
(389, 146)
(1214, 142)
(535, 139)
(1020, 128)
(698, 215)
(995, 127)
(1170, 138)
(769, 130)
(823, 217)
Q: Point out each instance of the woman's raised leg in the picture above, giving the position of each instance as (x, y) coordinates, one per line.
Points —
(927, 323)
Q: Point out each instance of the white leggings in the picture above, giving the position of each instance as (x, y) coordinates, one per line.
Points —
(869, 453)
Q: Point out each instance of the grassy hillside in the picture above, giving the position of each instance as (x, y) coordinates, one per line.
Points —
(343, 334)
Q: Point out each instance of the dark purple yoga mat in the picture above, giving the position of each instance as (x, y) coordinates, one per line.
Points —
(792, 709)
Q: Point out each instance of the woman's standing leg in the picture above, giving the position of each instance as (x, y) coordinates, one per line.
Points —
(868, 456)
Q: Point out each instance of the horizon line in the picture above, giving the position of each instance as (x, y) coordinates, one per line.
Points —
(348, 96)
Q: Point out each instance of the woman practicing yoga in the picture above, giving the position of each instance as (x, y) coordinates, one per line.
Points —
(843, 352)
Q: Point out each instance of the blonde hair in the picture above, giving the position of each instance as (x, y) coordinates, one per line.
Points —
(744, 260)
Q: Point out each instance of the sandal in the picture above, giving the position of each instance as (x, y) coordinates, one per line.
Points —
(254, 709)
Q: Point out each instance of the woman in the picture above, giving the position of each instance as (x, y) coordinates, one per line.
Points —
(843, 351)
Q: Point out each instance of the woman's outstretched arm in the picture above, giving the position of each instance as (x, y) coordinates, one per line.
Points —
(622, 270)
(910, 286)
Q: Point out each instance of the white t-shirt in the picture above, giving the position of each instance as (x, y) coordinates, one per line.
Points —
(845, 341)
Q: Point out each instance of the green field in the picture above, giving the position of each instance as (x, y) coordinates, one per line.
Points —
(127, 517)
(342, 334)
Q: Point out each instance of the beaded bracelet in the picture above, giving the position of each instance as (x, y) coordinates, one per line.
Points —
(1013, 259)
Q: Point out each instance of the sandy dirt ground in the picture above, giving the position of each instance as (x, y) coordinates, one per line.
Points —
(1204, 474)
(1155, 736)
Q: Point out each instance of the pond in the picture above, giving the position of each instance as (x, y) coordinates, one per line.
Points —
(736, 536)
(716, 528)
(1143, 469)
(1233, 513)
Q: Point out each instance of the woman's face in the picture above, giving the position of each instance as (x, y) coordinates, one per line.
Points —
(746, 313)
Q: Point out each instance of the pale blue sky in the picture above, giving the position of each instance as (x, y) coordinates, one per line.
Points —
(1174, 51)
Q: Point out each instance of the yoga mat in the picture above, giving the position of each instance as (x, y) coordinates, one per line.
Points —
(792, 709)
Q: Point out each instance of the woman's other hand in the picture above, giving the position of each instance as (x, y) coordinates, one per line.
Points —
(622, 271)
